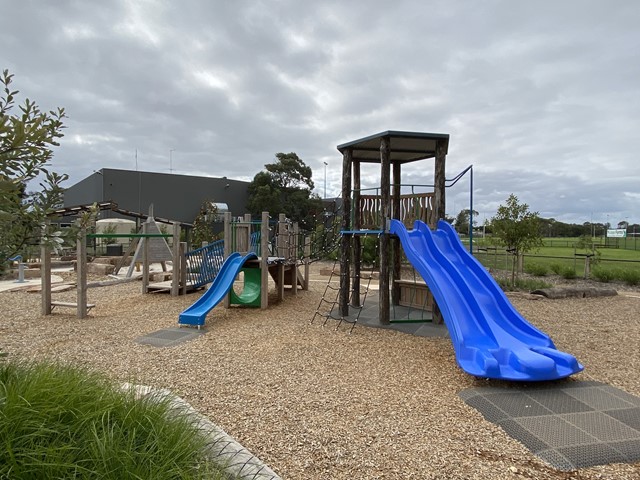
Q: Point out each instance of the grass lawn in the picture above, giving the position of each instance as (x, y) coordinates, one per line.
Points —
(559, 254)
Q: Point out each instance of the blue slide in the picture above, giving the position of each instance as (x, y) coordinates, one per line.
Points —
(196, 313)
(490, 338)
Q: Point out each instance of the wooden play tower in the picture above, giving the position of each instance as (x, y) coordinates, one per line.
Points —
(391, 149)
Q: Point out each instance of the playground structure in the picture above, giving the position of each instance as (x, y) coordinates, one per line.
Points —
(248, 251)
(195, 269)
(490, 338)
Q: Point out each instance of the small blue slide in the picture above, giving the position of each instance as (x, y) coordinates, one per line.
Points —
(490, 338)
(195, 315)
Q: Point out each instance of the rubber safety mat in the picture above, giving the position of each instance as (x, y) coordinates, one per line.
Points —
(169, 337)
(570, 425)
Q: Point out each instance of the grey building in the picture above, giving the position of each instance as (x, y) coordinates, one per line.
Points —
(175, 197)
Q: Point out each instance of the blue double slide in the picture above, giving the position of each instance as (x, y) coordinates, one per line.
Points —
(196, 314)
(490, 338)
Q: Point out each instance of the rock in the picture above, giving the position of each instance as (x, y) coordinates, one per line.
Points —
(100, 268)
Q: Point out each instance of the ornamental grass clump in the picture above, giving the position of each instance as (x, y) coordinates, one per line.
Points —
(64, 422)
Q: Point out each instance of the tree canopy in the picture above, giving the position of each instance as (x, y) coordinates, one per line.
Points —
(517, 228)
(27, 138)
(285, 187)
(462, 221)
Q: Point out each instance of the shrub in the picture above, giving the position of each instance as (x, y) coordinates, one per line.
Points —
(630, 277)
(522, 284)
(568, 273)
(537, 269)
(63, 422)
(604, 275)
(555, 268)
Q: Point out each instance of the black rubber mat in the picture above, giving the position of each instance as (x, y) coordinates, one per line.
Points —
(570, 425)
(169, 337)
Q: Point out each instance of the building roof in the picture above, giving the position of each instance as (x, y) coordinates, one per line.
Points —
(405, 146)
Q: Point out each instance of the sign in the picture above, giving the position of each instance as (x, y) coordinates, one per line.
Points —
(617, 233)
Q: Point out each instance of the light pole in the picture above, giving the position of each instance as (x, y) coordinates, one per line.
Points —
(325, 179)
(171, 160)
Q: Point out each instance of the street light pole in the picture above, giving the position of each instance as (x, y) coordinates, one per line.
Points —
(325, 179)
(171, 160)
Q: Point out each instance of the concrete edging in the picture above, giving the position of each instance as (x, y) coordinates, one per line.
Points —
(221, 447)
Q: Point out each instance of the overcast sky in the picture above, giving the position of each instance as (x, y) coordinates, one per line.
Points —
(541, 97)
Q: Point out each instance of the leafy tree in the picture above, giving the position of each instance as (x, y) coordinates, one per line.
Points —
(462, 221)
(26, 141)
(285, 187)
(203, 225)
(517, 228)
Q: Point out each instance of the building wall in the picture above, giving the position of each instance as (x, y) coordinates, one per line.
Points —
(175, 197)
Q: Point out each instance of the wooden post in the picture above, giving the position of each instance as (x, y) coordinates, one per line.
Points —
(246, 234)
(45, 278)
(145, 259)
(175, 253)
(81, 264)
(281, 268)
(264, 261)
(282, 237)
(439, 206)
(307, 256)
(227, 248)
(345, 244)
(294, 260)
(587, 266)
(385, 208)
(395, 241)
(356, 249)
(227, 234)
(183, 267)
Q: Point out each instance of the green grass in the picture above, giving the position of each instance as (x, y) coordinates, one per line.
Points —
(521, 284)
(559, 257)
(537, 269)
(62, 422)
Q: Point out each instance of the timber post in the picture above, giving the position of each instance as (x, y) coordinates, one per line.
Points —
(227, 248)
(345, 243)
(45, 278)
(145, 258)
(264, 261)
(395, 241)
(356, 240)
(175, 253)
(81, 265)
(439, 207)
(385, 200)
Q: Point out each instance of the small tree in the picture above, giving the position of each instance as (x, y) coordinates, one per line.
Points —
(203, 225)
(285, 187)
(462, 221)
(517, 229)
(26, 142)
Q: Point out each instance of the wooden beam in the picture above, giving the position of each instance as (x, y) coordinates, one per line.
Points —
(385, 208)
(81, 280)
(227, 249)
(175, 252)
(439, 206)
(45, 278)
(145, 257)
(264, 257)
(345, 244)
(357, 242)
(395, 242)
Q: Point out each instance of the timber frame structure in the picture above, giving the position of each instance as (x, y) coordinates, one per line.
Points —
(391, 149)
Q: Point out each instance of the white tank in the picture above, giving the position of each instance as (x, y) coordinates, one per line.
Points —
(115, 225)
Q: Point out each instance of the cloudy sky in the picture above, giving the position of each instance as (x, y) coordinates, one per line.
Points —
(542, 98)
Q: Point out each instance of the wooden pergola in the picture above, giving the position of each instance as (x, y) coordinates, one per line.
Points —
(391, 149)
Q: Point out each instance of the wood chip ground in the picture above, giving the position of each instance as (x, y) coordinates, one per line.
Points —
(315, 403)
